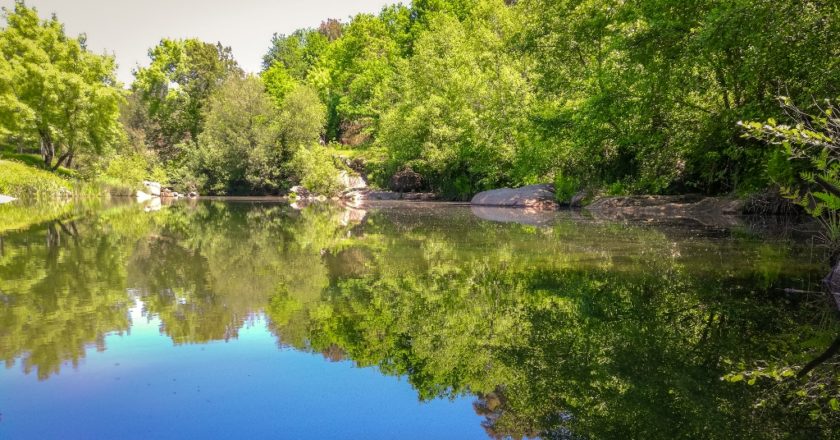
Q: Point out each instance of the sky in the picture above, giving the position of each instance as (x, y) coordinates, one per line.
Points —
(128, 28)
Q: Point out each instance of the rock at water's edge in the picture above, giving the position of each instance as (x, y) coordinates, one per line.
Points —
(142, 196)
(717, 211)
(349, 181)
(152, 188)
(6, 199)
(531, 196)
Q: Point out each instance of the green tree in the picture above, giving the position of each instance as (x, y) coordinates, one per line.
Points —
(302, 117)
(249, 138)
(647, 93)
(55, 92)
(353, 73)
(459, 104)
(241, 147)
(175, 87)
(807, 159)
(297, 52)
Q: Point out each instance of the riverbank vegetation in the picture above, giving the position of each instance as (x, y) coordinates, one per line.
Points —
(620, 97)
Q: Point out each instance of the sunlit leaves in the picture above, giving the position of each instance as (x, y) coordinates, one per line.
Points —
(55, 95)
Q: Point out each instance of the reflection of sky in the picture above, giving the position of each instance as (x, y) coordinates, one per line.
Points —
(142, 386)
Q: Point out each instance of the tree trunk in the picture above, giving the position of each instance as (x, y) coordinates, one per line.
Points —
(61, 160)
(47, 150)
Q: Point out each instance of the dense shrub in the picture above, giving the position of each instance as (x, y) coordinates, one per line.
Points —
(316, 170)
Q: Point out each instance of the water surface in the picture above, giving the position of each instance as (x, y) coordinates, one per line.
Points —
(220, 319)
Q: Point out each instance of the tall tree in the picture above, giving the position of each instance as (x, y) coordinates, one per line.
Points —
(240, 148)
(296, 52)
(460, 102)
(356, 70)
(55, 92)
(175, 87)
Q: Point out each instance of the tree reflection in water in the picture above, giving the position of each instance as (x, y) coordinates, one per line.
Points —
(573, 328)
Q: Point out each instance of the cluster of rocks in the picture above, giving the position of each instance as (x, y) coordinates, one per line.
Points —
(533, 204)
(154, 190)
(705, 210)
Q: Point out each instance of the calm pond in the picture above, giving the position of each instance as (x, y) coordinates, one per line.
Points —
(231, 319)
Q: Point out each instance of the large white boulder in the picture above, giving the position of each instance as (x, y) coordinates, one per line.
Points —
(152, 188)
(6, 199)
(531, 196)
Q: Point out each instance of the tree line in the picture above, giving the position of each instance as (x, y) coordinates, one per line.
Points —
(641, 96)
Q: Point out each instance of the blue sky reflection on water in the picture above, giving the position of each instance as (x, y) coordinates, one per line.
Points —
(143, 386)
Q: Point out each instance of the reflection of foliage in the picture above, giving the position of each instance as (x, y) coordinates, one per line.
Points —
(583, 338)
(579, 329)
(17, 216)
(807, 380)
(62, 292)
(212, 267)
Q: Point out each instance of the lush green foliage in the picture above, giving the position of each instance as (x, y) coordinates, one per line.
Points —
(175, 88)
(316, 170)
(649, 92)
(637, 96)
(217, 130)
(123, 174)
(240, 147)
(807, 159)
(54, 93)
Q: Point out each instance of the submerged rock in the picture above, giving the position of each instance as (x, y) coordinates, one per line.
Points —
(6, 199)
(717, 211)
(531, 196)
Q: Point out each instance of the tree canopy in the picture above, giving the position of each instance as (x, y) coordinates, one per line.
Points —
(53, 91)
(176, 86)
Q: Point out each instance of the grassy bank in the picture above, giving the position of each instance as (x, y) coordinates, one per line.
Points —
(26, 182)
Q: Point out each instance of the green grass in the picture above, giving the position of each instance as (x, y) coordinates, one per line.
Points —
(34, 161)
(17, 179)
